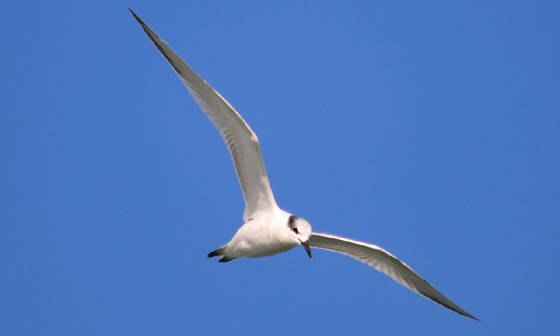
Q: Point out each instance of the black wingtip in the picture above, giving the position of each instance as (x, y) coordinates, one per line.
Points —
(460, 311)
(475, 318)
(470, 316)
(136, 16)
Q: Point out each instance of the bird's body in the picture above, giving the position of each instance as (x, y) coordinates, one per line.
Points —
(263, 235)
(267, 229)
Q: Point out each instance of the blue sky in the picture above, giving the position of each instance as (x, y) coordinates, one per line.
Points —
(431, 129)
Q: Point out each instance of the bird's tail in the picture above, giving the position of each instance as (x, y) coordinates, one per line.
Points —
(220, 253)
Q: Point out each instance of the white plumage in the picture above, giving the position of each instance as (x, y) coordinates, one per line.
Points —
(267, 229)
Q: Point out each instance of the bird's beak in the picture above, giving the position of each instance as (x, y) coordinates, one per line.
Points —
(305, 245)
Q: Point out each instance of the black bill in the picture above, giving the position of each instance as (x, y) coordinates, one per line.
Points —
(305, 245)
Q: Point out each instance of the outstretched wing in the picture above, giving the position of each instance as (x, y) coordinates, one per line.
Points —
(240, 139)
(384, 262)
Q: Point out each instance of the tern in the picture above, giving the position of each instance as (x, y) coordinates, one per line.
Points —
(267, 229)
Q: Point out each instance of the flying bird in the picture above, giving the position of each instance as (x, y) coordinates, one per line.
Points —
(267, 229)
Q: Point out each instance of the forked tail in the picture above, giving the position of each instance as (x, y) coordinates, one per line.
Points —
(220, 253)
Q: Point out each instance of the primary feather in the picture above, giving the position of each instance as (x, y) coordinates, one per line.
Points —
(384, 262)
(240, 139)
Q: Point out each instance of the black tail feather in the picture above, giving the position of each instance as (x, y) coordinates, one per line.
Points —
(216, 253)
(220, 253)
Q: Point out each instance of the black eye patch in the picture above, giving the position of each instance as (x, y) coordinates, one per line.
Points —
(292, 224)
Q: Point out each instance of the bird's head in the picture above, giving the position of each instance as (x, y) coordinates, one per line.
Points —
(300, 230)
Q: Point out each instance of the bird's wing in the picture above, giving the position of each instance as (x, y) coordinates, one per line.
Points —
(384, 262)
(240, 139)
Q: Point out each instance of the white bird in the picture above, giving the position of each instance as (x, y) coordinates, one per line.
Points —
(267, 229)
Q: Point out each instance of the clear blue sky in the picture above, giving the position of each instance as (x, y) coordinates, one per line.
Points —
(429, 128)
